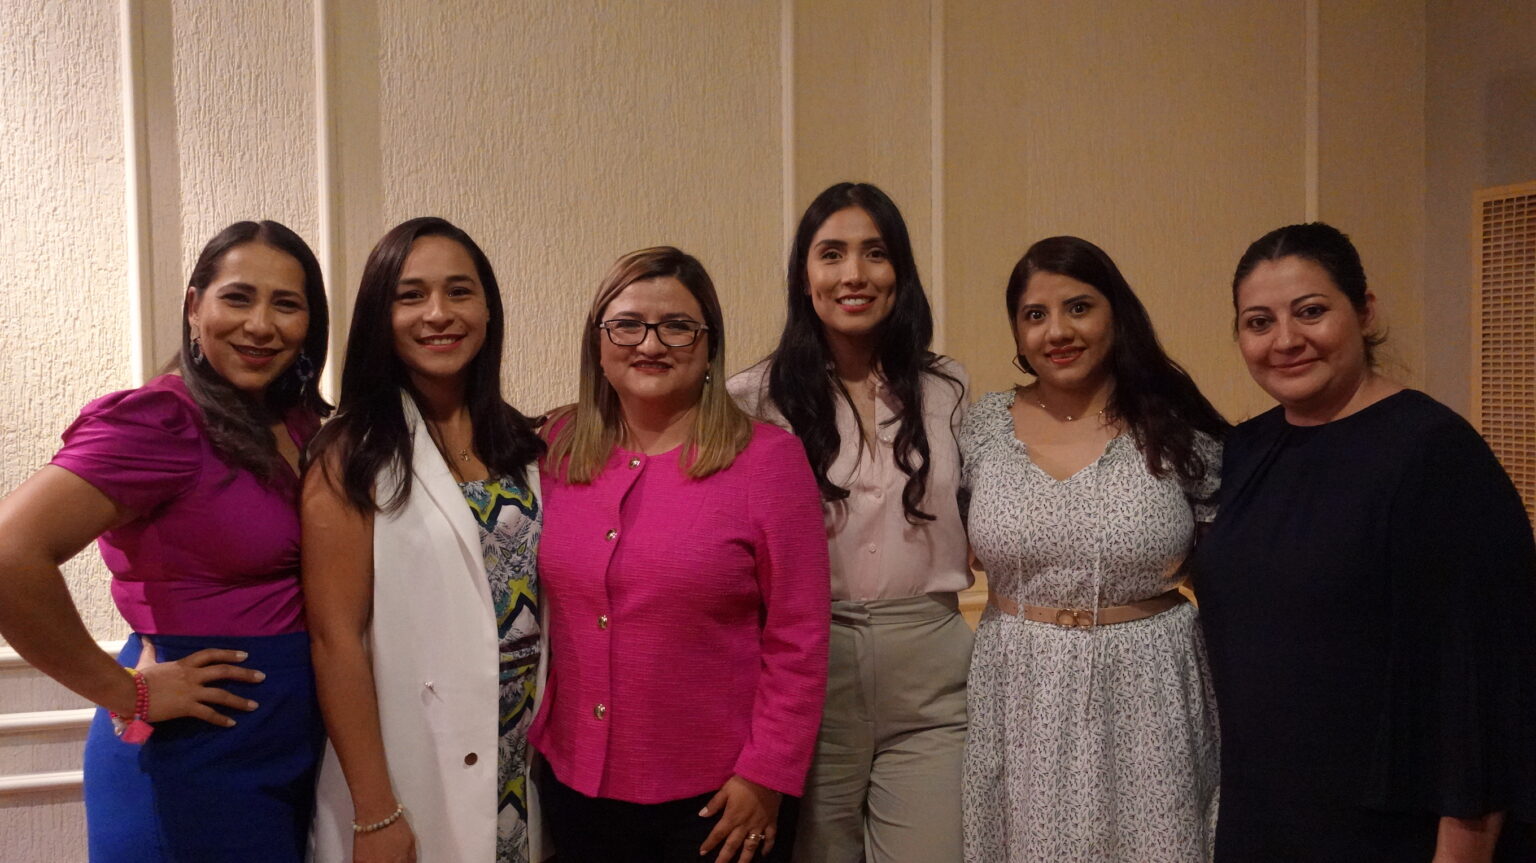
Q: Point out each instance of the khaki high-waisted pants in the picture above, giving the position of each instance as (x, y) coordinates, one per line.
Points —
(885, 784)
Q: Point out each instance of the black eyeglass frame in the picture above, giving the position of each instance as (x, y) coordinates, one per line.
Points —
(650, 328)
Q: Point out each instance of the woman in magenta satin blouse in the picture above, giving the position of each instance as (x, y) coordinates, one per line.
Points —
(685, 570)
(189, 484)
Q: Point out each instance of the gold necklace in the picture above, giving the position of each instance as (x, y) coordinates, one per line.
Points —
(1065, 417)
(442, 441)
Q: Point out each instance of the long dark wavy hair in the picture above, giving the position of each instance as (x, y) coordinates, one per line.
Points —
(804, 386)
(241, 427)
(1153, 396)
(370, 431)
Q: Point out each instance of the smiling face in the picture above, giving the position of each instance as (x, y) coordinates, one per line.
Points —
(850, 276)
(1065, 331)
(1303, 341)
(439, 314)
(251, 320)
(651, 373)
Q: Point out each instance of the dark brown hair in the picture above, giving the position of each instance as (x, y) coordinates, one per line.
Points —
(239, 426)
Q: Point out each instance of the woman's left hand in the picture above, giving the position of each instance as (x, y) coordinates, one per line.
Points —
(751, 811)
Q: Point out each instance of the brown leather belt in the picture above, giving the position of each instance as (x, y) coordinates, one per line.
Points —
(1083, 618)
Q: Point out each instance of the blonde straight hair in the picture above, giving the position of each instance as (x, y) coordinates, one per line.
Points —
(586, 433)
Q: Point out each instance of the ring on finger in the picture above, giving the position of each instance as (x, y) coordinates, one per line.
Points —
(756, 837)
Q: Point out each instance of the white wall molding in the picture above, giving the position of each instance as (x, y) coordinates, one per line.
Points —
(152, 185)
(34, 783)
(1313, 119)
(936, 281)
(45, 720)
(10, 659)
(787, 119)
(136, 167)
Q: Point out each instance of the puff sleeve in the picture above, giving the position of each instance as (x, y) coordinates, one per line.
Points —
(141, 448)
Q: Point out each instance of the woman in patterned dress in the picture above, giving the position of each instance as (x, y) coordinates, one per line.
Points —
(1093, 730)
(421, 518)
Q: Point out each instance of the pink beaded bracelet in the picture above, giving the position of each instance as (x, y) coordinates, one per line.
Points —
(135, 729)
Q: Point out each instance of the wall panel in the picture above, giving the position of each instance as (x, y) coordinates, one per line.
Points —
(63, 320)
(1170, 134)
(1480, 131)
(63, 299)
(563, 135)
(863, 113)
(244, 93)
(1371, 159)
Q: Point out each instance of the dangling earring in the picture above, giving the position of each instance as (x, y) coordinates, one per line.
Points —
(1022, 365)
(707, 377)
(197, 349)
(304, 371)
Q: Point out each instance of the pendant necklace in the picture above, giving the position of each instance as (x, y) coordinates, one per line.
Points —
(1065, 418)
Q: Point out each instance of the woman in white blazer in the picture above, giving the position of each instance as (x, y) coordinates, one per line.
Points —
(421, 521)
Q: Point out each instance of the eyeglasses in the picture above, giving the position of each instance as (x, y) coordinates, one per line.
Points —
(628, 332)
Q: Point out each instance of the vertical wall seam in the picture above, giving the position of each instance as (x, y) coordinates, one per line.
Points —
(136, 187)
(1314, 109)
(327, 197)
(936, 280)
(787, 119)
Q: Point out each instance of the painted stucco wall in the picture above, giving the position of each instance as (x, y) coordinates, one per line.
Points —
(62, 248)
(63, 324)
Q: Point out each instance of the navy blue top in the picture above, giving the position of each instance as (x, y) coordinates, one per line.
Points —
(1368, 593)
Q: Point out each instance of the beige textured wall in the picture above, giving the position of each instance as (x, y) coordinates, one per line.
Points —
(862, 106)
(1371, 159)
(63, 321)
(1481, 131)
(245, 119)
(63, 301)
(563, 134)
(561, 137)
(1170, 134)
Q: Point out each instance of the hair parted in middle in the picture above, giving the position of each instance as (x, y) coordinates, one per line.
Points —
(584, 435)
(369, 431)
(239, 426)
(1153, 395)
(801, 383)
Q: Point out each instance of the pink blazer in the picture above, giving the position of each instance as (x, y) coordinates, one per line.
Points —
(688, 624)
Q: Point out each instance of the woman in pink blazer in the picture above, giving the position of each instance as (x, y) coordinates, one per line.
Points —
(685, 569)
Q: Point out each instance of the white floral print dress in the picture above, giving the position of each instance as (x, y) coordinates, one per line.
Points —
(1085, 744)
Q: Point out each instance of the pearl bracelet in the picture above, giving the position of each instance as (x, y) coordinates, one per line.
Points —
(380, 825)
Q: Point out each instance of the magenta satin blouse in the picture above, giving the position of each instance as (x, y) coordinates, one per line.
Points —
(212, 551)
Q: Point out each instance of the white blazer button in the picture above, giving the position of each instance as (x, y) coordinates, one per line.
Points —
(470, 759)
(429, 686)
(599, 710)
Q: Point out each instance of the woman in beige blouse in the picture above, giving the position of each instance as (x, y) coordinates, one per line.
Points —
(877, 412)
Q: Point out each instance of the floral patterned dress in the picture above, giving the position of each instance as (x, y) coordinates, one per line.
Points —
(1086, 745)
(510, 521)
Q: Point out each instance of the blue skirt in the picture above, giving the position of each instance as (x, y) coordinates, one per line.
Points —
(200, 792)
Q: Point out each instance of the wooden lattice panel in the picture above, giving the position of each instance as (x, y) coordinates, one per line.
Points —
(1504, 331)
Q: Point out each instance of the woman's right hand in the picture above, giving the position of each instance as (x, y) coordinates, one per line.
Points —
(184, 687)
(393, 844)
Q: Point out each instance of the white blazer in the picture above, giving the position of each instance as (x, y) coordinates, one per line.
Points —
(436, 667)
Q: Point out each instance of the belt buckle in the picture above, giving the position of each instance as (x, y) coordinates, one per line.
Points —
(1075, 618)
